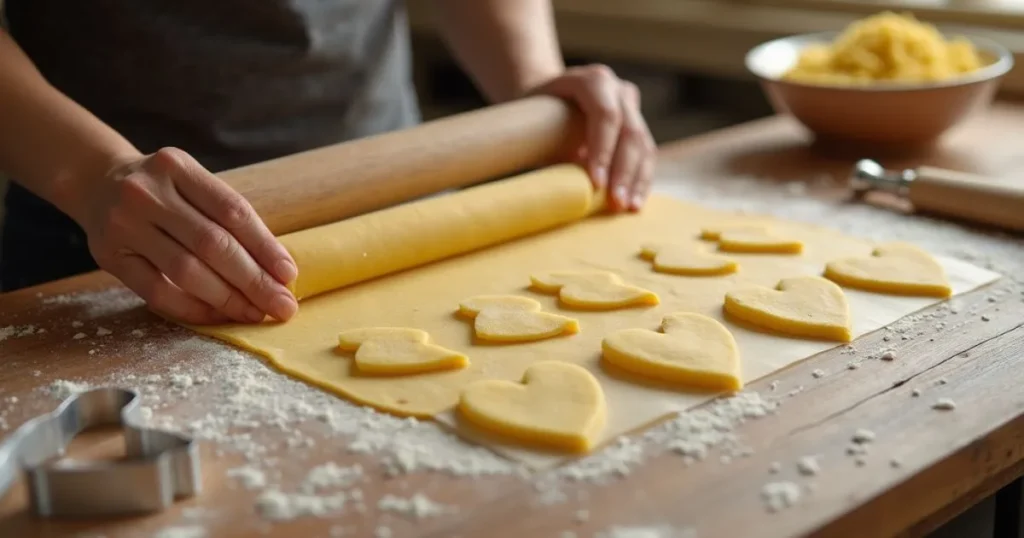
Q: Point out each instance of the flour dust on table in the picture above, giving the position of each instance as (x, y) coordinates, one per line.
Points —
(586, 269)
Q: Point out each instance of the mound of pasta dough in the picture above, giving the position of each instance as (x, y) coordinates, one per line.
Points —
(887, 47)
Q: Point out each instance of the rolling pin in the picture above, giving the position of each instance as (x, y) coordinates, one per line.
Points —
(946, 192)
(327, 184)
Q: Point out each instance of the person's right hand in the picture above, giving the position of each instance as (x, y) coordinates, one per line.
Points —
(186, 242)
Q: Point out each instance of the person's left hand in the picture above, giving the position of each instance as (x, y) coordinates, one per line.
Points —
(618, 152)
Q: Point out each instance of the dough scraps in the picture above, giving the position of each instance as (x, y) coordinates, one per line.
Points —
(895, 268)
(687, 260)
(807, 306)
(511, 318)
(692, 350)
(397, 351)
(557, 404)
(592, 290)
(757, 241)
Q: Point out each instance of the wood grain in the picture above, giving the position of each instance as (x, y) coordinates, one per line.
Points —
(947, 459)
(330, 183)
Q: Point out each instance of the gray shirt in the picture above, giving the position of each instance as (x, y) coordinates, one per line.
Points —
(230, 81)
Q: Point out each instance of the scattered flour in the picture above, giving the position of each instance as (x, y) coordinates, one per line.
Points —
(275, 505)
(818, 373)
(98, 304)
(863, 436)
(331, 476)
(944, 404)
(13, 331)
(418, 506)
(808, 466)
(103, 331)
(78, 336)
(61, 389)
(184, 531)
(778, 496)
(250, 477)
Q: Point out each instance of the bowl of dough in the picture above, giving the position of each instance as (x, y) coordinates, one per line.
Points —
(888, 79)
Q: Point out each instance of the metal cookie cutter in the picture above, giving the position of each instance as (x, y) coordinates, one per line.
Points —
(159, 467)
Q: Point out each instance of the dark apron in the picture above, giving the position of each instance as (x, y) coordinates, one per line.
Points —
(233, 82)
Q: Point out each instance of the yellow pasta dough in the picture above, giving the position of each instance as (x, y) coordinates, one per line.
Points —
(557, 404)
(692, 350)
(713, 232)
(886, 47)
(592, 290)
(895, 268)
(306, 347)
(757, 241)
(807, 306)
(398, 351)
(384, 242)
(510, 318)
(687, 260)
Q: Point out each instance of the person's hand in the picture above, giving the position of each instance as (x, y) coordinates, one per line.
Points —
(619, 152)
(187, 243)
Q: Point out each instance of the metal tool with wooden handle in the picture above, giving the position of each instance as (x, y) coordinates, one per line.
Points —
(339, 181)
(947, 192)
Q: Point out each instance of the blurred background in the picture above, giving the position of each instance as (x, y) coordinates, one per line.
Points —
(687, 55)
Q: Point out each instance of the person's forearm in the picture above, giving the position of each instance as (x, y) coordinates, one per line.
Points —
(507, 47)
(48, 143)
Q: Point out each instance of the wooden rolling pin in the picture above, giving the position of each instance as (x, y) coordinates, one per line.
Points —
(948, 193)
(334, 182)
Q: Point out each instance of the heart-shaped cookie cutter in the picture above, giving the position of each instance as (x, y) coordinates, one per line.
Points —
(158, 468)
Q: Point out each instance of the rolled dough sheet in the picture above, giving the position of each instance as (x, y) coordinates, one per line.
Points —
(428, 297)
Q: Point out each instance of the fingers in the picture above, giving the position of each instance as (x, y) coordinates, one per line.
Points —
(219, 250)
(162, 296)
(627, 158)
(633, 165)
(593, 88)
(191, 275)
(216, 224)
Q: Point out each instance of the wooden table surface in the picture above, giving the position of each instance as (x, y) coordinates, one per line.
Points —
(947, 461)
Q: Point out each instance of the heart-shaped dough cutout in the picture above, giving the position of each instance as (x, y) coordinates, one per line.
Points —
(714, 232)
(895, 268)
(558, 405)
(757, 241)
(398, 351)
(592, 290)
(807, 306)
(510, 318)
(691, 350)
(687, 260)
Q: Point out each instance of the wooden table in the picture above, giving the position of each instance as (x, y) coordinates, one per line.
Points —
(947, 461)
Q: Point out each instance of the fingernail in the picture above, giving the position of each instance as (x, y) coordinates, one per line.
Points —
(621, 196)
(283, 306)
(638, 202)
(285, 271)
(601, 176)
